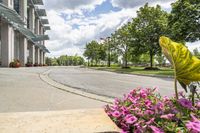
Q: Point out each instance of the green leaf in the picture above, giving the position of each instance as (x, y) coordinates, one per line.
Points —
(187, 66)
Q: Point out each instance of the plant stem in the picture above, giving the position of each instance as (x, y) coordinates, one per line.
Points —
(193, 93)
(176, 89)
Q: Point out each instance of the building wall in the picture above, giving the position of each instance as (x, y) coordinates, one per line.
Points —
(7, 44)
(14, 45)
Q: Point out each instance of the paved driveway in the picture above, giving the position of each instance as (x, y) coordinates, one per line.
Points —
(22, 90)
(108, 83)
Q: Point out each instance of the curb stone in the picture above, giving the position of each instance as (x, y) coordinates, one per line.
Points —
(44, 77)
(155, 76)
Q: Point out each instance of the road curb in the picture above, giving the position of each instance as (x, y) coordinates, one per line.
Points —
(154, 76)
(44, 77)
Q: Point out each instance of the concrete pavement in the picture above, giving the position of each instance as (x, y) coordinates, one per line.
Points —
(22, 90)
(71, 121)
(108, 83)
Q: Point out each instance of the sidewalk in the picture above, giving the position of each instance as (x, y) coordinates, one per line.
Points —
(71, 121)
(22, 90)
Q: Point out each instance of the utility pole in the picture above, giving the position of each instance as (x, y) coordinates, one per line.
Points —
(109, 51)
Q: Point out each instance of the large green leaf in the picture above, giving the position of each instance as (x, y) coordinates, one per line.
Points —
(187, 66)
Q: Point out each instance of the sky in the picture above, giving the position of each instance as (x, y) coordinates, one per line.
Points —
(75, 22)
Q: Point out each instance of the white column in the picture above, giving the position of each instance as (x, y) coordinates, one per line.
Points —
(37, 55)
(41, 33)
(44, 61)
(8, 3)
(23, 50)
(41, 57)
(23, 9)
(37, 26)
(32, 19)
(7, 44)
(32, 53)
(16, 45)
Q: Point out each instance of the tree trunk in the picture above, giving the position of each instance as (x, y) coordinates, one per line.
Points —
(109, 55)
(92, 63)
(125, 62)
(96, 62)
(109, 59)
(151, 60)
(88, 63)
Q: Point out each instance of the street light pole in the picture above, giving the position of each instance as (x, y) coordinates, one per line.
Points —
(109, 51)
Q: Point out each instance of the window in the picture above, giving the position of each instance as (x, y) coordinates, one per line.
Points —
(17, 6)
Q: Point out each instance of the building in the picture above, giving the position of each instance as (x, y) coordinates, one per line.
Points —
(22, 27)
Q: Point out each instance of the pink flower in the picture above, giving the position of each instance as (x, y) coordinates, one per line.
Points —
(198, 104)
(168, 116)
(159, 106)
(123, 131)
(130, 119)
(150, 121)
(185, 103)
(124, 110)
(147, 103)
(143, 93)
(148, 112)
(117, 101)
(132, 99)
(195, 119)
(194, 125)
(116, 114)
(166, 99)
(156, 130)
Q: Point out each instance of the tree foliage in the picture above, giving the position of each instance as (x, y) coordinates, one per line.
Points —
(121, 43)
(148, 26)
(137, 41)
(65, 60)
(184, 20)
(95, 52)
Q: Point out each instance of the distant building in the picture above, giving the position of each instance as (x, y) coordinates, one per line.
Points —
(22, 28)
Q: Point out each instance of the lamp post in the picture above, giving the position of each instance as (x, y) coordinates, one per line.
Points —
(109, 51)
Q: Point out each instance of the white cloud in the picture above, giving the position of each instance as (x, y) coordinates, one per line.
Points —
(71, 29)
(193, 45)
(66, 51)
(64, 36)
(135, 3)
(72, 6)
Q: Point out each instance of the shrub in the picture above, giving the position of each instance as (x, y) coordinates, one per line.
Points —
(15, 64)
(144, 111)
(36, 65)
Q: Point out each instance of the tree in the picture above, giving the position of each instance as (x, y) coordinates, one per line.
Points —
(48, 61)
(184, 21)
(147, 27)
(121, 43)
(95, 52)
(160, 59)
(196, 53)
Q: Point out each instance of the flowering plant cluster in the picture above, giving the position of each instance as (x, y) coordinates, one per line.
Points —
(144, 111)
(15, 64)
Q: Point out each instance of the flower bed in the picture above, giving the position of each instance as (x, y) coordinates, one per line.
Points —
(144, 111)
(15, 64)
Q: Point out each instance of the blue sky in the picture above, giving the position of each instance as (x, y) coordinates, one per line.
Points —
(76, 22)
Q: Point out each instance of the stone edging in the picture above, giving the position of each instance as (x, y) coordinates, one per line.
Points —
(44, 77)
(156, 76)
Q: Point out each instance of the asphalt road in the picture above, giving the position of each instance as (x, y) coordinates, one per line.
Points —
(22, 90)
(108, 83)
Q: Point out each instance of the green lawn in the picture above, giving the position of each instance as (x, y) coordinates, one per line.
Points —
(139, 70)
